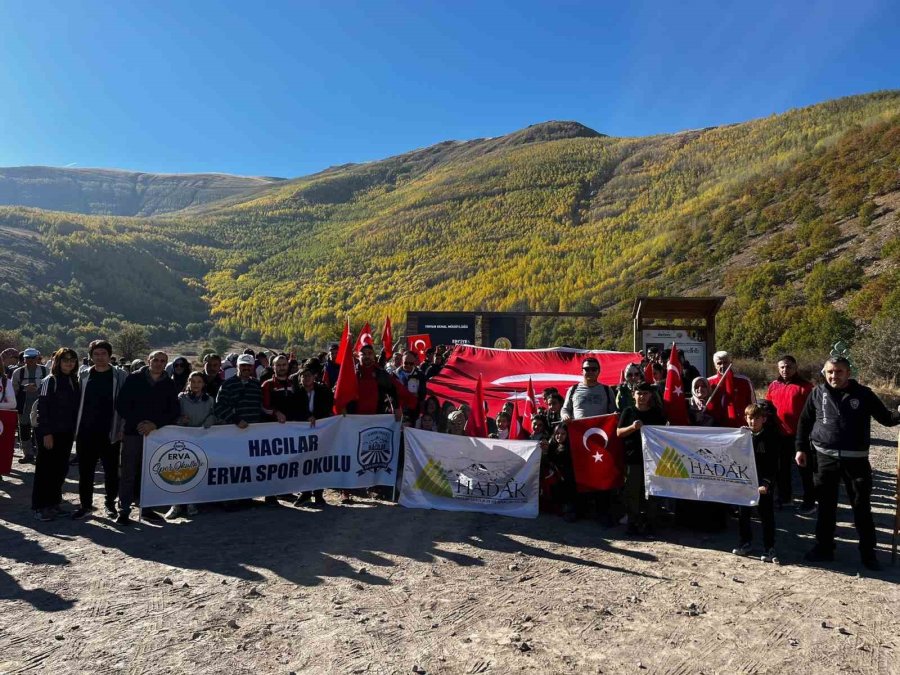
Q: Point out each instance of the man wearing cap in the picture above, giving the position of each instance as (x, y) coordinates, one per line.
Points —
(590, 398)
(148, 400)
(239, 400)
(26, 380)
(836, 424)
(744, 393)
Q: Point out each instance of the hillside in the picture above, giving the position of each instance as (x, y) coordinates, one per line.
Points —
(117, 193)
(793, 216)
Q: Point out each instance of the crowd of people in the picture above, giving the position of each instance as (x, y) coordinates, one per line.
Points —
(104, 409)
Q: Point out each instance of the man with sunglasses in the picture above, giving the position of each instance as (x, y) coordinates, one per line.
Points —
(589, 397)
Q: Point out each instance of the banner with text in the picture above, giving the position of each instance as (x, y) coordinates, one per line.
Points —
(459, 473)
(188, 465)
(702, 463)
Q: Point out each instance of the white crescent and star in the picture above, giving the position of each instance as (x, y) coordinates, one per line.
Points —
(419, 344)
(598, 456)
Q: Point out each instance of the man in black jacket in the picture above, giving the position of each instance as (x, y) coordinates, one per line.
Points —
(836, 424)
(312, 401)
(148, 401)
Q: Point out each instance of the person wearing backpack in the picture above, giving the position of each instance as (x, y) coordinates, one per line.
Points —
(590, 398)
(26, 380)
(57, 411)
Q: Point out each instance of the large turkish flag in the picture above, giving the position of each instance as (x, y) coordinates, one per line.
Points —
(597, 455)
(505, 372)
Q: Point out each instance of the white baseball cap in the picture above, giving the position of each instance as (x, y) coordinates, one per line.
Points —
(246, 360)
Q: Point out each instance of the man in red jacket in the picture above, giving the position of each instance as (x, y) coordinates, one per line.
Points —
(788, 394)
(743, 394)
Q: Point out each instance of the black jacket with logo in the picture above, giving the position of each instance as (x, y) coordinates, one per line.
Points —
(837, 422)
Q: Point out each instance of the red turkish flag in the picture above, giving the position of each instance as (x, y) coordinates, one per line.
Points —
(345, 340)
(530, 408)
(648, 372)
(674, 401)
(407, 400)
(364, 339)
(419, 344)
(476, 425)
(387, 339)
(346, 389)
(597, 454)
(507, 371)
(517, 430)
(730, 399)
(9, 421)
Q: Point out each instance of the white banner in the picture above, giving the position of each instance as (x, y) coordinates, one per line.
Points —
(458, 473)
(703, 463)
(189, 465)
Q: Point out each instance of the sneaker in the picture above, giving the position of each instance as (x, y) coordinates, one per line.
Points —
(743, 548)
(80, 513)
(807, 509)
(124, 518)
(61, 509)
(173, 513)
(43, 515)
(192, 510)
(303, 498)
(870, 562)
(152, 516)
(111, 512)
(26, 459)
(769, 556)
(319, 501)
(818, 554)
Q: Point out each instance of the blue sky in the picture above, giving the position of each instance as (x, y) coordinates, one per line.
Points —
(286, 89)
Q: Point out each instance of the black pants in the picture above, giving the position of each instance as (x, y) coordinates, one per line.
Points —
(28, 440)
(91, 447)
(856, 474)
(786, 463)
(766, 510)
(51, 468)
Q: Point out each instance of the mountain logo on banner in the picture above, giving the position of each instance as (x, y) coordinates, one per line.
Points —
(433, 479)
(671, 465)
(375, 450)
(178, 466)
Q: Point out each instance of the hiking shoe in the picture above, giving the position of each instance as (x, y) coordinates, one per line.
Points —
(807, 509)
(43, 515)
(80, 513)
(818, 554)
(743, 548)
(870, 562)
(173, 513)
(192, 510)
(303, 498)
(26, 459)
(111, 512)
(152, 516)
(769, 556)
(61, 509)
(124, 518)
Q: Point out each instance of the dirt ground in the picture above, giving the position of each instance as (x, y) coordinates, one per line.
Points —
(376, 588)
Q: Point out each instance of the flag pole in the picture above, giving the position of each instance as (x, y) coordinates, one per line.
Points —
(718, 384)
(896, 533)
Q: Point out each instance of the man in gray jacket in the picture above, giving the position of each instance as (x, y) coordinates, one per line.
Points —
(99, 428)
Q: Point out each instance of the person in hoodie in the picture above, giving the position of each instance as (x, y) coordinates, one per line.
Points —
(148, 401)
(179, 370)
(836, 424)
(197, 410)
(57, 414)
(766, 446)
(99, 428)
